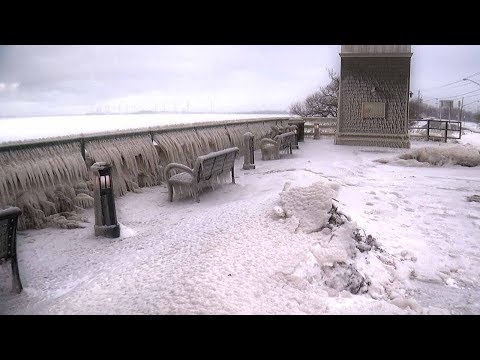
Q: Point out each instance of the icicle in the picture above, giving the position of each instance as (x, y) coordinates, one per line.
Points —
(83, 200)
(130, 157)
(25, 172)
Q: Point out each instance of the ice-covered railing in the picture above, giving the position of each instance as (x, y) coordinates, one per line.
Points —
(40, 166)
(49, 176)
(134, 160)
(186, 144)
(327, 126)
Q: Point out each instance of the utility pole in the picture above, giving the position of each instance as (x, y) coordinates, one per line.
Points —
(461, 110)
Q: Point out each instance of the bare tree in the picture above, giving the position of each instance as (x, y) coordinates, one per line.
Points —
(323, 102)
(416, 109)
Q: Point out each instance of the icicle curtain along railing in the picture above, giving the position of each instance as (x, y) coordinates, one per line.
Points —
(40, 167)
(48, 176)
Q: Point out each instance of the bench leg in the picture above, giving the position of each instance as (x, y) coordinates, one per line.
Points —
(233, 175)
(170, 192)
(17, 284)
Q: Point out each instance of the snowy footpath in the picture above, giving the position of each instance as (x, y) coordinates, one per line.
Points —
(407, 241)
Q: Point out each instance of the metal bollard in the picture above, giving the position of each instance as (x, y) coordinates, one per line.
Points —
(105, 216)
(249, 157)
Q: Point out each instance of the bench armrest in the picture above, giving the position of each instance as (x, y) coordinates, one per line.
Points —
(10, 212)
(172, 166)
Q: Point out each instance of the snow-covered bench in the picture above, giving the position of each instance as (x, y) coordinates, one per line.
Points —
(271, 148)
(206, 170)
(8, 241)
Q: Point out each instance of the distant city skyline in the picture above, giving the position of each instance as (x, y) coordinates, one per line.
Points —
(54, 80)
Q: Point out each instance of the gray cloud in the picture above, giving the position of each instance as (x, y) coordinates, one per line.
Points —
(77, 79)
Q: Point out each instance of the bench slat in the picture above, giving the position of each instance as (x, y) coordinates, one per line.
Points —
(205, 171)
(219, 162)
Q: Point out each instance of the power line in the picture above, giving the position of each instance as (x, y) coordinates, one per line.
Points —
(471, 95)
(455, 87)
(465, 93)
(476, 74)
(452, 83)
(453, 97)
(473, 102)
(442, 86)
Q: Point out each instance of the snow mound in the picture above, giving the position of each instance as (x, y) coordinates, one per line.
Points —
(464, 155)
(343, 276)
(310, 205)
(402, 162)
(126, 232)
(279, 211)
(343, 259)
(66, 220)
(339, 248)
(455, 155)
(474, 198)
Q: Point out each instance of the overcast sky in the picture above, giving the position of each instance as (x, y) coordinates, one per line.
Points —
(42, 80)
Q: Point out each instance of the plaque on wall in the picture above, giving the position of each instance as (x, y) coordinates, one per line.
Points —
(373, 110)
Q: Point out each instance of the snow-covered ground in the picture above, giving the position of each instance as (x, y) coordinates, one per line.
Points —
(471, 134)
(254, 247)
(13, 129)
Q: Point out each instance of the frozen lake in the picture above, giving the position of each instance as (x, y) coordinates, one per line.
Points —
(12, 129)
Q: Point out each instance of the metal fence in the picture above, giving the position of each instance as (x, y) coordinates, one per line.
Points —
(435, 129)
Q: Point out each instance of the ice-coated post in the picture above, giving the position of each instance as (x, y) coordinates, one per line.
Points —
(248, 158)
(294, 128)
(301, 131)
(300, 123)
(316, 131)
(105, 217)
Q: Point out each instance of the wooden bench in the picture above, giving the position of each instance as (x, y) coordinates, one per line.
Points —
(271, 147)
(206, 170)
(8, 242)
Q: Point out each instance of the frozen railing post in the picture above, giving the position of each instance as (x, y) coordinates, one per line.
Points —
(249, 157)
(8, 242)
(316, 131)
(105, 217)
(294, 129)
(300, 123)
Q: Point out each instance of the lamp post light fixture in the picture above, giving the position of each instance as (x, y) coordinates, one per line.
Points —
(471, 81)
(105, 216)
(249, 157)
